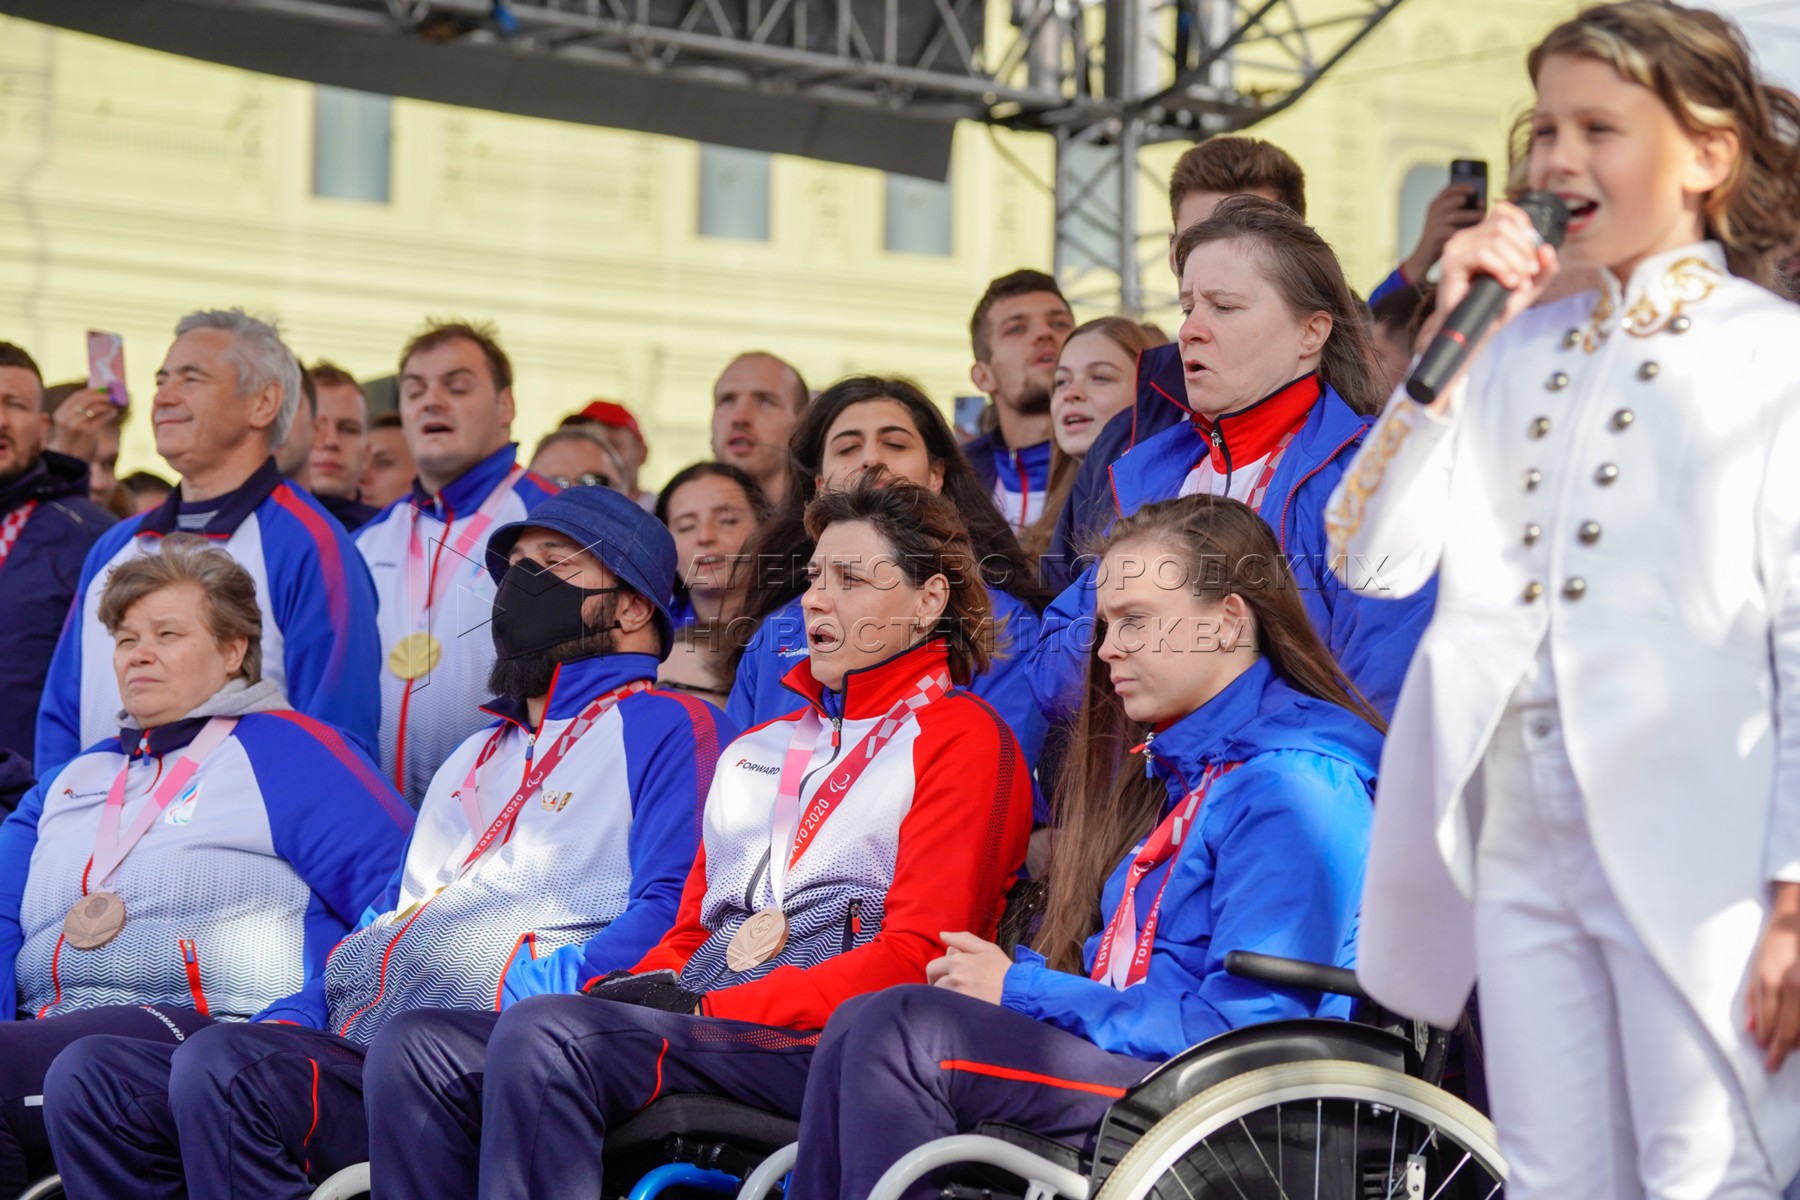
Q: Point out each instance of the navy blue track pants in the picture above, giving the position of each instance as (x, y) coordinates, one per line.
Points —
(905, 1066)
(27, 1049)
(251, 1112)
(524, 1101)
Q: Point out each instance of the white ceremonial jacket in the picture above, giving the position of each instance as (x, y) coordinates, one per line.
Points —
(1619, 473)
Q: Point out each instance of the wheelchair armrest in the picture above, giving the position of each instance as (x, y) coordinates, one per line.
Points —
(1292, 972)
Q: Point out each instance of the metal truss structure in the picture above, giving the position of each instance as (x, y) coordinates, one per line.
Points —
(874, 82)
(1104, 78)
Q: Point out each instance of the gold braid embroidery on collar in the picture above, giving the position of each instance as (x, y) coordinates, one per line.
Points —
(1345, 518)
(1687, 282)
(1596, 331)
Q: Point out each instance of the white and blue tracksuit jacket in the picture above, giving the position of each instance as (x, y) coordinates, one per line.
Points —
(1018, 480)
(1274, 865)
(423, 722)
(758, 694)
(587, 878)
(1371, 635)
(284, 834)
(318, 606)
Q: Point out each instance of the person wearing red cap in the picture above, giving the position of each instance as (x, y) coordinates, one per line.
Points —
(619, 428)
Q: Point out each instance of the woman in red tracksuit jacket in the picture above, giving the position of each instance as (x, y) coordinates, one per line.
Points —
(838, 843)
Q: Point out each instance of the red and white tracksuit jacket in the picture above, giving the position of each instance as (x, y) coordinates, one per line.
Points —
(928, 839)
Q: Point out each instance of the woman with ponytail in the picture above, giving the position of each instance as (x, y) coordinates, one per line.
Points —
(1218, 799)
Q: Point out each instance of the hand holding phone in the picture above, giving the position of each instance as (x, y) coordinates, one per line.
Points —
(106, 366)
(1471, 173)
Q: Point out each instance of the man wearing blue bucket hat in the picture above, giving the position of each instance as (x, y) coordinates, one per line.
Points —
(551, 846)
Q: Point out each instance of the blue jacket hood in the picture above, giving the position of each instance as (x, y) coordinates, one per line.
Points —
(1259, 712)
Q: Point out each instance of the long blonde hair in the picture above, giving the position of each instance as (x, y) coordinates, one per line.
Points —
(1700, 67)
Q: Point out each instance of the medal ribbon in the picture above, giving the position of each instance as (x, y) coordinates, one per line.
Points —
(1119, 963)
(534, 774)
(477, 526)
(433, 585)
(109, 848)
(12, 526)
(789, 826)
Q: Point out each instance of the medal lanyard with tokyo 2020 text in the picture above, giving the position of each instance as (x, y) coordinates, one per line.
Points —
(535, 772)
(790, 830)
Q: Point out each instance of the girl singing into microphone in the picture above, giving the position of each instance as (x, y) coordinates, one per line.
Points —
(1591, 791)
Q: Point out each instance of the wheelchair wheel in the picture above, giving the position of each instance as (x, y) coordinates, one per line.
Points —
(1318, 1130)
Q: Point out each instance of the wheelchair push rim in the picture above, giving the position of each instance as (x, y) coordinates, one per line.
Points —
(1439, 1147)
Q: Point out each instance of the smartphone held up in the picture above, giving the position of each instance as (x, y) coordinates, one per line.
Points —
(1471, 173)
(106, 366)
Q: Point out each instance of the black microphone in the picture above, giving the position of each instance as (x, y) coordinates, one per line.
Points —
(1487, 297)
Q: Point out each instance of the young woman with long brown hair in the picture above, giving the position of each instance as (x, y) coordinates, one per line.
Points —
(1242, 826)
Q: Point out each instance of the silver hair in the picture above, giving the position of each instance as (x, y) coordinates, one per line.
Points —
(260, 357)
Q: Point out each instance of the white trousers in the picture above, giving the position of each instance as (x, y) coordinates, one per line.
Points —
(1603, 1081)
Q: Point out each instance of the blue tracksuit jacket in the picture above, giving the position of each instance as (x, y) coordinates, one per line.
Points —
(1373, 637)
(287, 832)
(587, 880)
(1274, 865)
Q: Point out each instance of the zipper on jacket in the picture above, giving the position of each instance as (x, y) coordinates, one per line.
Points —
(852, 926)
(1218, 442)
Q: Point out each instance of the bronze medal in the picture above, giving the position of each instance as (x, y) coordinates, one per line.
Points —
(760, 938)
(415, 655)
(94, 920)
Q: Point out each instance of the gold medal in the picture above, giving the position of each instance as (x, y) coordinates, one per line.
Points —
(760, 938)
(94, 920)
(415, 655)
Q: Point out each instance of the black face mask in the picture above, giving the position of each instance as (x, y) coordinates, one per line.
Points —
(536, 611)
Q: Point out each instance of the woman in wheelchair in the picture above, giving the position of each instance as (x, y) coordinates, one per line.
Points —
(892, 805)
(1243, 826)
(184, 872)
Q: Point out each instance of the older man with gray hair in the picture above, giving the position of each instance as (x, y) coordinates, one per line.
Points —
(226, 395)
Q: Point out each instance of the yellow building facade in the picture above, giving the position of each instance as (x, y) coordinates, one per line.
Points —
(136, 186)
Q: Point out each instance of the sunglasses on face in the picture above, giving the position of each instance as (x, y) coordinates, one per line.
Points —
(585, 479)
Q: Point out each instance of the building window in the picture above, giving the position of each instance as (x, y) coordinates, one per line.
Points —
(734, 193)
(918, 216)
(352, 142)
(1417, 190)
